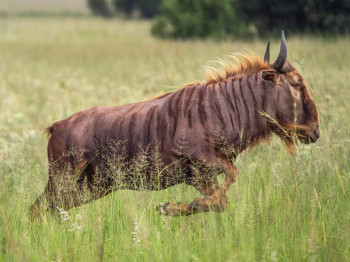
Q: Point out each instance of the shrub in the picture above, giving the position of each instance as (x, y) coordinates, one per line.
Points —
(126, 6)
(147, 8)
(99, 7)
(270, 16)
(200, 18)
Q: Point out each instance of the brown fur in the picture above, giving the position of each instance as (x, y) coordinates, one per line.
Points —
(175, 88)
(49, 130)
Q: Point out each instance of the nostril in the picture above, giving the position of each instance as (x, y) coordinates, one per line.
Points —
(317, 132)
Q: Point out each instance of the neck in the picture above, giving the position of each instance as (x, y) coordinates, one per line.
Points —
(246, 100)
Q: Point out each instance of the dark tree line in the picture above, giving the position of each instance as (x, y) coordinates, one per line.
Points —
(106, 8)
(320, 16)
(218, 19)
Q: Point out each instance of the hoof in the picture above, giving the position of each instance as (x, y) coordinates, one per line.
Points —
(162, 209)
(171, 209)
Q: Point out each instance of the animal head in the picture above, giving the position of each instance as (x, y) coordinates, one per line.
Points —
(296, 111)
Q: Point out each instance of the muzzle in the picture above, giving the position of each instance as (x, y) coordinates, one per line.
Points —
(312, 136)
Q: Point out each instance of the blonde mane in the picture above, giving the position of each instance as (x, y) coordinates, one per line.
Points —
(235, 64)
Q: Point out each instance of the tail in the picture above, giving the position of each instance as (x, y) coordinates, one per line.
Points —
(49, 130)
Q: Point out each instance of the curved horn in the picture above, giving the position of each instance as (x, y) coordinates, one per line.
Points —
(267, 54)
(282, 56)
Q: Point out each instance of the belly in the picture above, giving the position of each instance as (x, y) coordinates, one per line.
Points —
(145, 169)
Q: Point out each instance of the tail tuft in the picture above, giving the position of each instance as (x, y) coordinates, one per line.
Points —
(49, 130)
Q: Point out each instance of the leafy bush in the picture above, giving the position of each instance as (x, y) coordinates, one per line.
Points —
(200, 18)
(147, 8)
(126, 6)
(99, 7)
(328, 16)
(270, 16)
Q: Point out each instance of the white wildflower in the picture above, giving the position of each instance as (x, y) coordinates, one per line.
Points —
(15, 137)
(136, 232)
(75, 227)
(63, 214)
(278, 180)
(29, 134)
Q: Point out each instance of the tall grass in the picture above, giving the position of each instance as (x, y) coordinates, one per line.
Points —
(282, 208)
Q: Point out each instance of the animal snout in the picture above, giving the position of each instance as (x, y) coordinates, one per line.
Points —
(317, 133)
(313, 134)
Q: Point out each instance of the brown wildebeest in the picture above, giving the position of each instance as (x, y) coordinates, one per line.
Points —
(179, 136)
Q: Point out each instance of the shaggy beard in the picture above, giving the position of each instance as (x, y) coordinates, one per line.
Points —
(290, 133)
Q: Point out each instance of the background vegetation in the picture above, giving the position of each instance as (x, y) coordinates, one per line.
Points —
(282, 208)
(201, 18)
(147, 8)
(235, 18)
(99, 7)
(318, 16)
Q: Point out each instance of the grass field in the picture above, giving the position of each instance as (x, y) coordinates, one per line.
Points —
(282, 208)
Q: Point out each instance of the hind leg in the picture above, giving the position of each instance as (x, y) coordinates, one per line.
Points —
(215, 196)
(44, 203)
(52, 201)
(175, 209)
(69, 191)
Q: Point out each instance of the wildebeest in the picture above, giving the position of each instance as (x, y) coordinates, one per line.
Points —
(195, 128)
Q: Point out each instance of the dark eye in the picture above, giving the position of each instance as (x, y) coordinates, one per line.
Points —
(294, 84)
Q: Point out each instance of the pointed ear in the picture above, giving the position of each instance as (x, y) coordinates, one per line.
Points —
(268, 75)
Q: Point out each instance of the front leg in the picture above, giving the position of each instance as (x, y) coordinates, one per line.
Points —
(215, 196)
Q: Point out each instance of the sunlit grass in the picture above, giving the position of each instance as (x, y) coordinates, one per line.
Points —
(282, 207)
